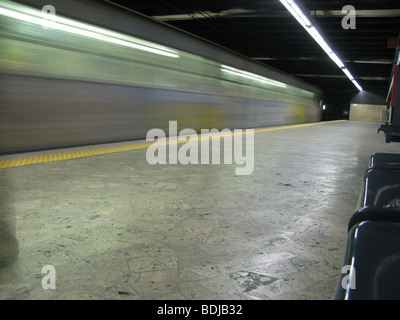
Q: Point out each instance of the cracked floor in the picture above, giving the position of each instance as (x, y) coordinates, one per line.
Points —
(115, 227)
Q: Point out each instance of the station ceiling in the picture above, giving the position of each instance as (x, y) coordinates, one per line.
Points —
(265, 31)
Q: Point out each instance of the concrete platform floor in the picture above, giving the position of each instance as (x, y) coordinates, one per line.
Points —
(115, 227)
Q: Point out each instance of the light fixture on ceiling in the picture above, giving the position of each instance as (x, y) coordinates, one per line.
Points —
(296, 12)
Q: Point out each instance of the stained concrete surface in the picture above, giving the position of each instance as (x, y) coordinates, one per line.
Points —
(115, 227)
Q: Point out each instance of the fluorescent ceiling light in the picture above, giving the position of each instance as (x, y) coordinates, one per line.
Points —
(27, 14)
(251, 76)
(357, 85)
(296, 12)
(318, 38)
(336, 59)
(348, 74)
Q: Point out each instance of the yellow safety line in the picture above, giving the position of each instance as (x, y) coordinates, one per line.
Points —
(12, 163)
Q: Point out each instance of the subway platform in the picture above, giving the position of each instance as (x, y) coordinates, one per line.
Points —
(114, 226)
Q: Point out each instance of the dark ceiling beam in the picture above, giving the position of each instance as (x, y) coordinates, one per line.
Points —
(375, 13)
(323, 59)
(359, 4)
(243, 13)
(364, 78)
(298, 32)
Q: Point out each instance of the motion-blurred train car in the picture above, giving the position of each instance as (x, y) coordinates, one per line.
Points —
(96, 73)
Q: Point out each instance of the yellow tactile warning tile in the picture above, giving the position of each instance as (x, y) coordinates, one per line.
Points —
(12, 163)
(293, 126)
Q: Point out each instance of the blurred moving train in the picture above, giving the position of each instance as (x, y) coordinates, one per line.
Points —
(65, 82)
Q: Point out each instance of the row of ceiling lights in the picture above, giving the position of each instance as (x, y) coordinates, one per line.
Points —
(305, 22)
